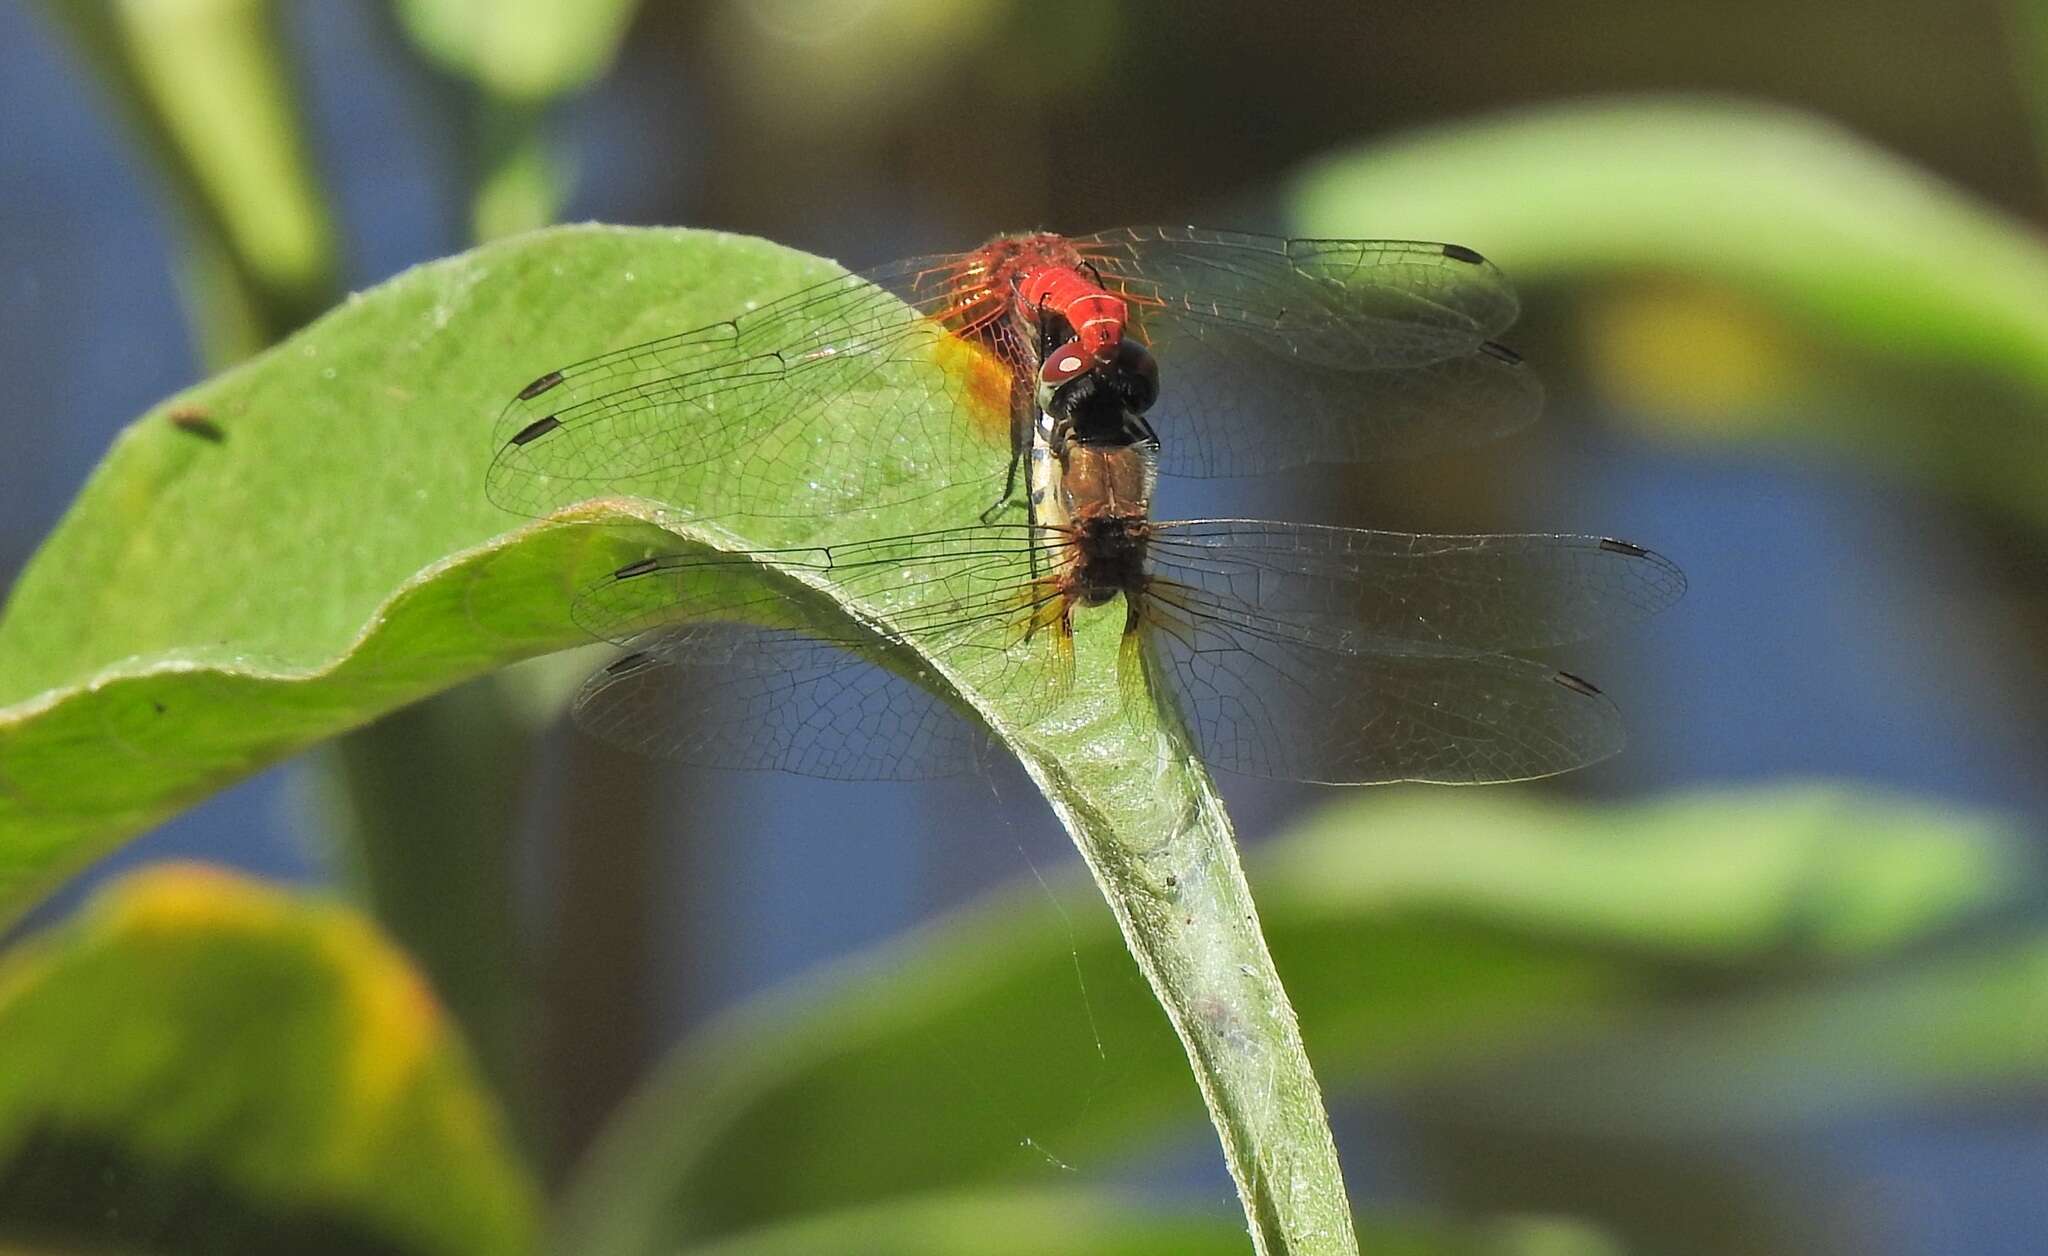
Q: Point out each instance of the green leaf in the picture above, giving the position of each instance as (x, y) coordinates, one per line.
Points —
(520, 50)
(291, 549)
(1951, 1029)
(1778, 204)
(303, 543)
(1081, 1223)
(199, 1063)
(1421, 931)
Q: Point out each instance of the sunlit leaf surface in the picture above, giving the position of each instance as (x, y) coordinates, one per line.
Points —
(292, 548)
(199, 1063)
(520, 49)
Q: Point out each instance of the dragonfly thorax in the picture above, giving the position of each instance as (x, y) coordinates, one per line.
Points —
(1093, 454)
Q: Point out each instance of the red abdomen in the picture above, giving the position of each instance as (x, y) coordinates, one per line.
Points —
(1096, 317)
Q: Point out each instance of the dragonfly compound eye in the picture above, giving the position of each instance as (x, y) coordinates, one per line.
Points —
(1135, 375)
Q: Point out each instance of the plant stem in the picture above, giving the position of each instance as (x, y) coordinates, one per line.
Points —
(203, 88)
(519, 187)
(425, 798)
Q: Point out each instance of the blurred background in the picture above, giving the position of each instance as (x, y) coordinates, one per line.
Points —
(1784, 278)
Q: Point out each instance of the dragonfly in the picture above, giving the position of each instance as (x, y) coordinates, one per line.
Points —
(1287, 650)
(874, 388)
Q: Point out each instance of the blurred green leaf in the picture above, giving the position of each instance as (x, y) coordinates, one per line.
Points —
(1030, 1222)
(204, 86)
(862, 64)
(1422, 933)
(1812, 869)
(993, 1224)
(303, 543)
(521, 54)
(520, 50)
(1958, 1028)
(200, 1063)
(1794, 211)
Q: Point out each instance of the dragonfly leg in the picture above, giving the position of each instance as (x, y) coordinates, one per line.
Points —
(1008, 498)
(1023, 413)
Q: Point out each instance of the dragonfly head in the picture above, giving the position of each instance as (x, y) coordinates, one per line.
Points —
(1096, 398)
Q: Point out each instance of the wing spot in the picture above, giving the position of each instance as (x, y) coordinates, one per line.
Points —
(641, 568)
(1613, 546)
(535, 430)
(539, 386)
(1577, 684)
(1459, 253)
(627, 663)
(1500, 352)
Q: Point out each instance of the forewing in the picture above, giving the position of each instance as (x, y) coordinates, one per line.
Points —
(1352, 304)
(1355, 591)
(850, 390)
(1276, 353)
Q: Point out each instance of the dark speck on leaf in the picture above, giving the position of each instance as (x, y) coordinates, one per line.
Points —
(194, 419)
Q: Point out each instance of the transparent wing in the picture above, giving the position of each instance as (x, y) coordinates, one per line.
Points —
(1225, 409)
(841, 388)
(744, 697)
(1293, 651)
(726, 668)
(1263, 704)
(929, 587)
(1362, 592)
(1276, 353)
(1354, 304)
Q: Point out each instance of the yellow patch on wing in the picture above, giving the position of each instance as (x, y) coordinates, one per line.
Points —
(983, 380)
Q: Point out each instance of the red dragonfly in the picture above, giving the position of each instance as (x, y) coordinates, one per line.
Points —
(1288, 650)
(875, 388)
